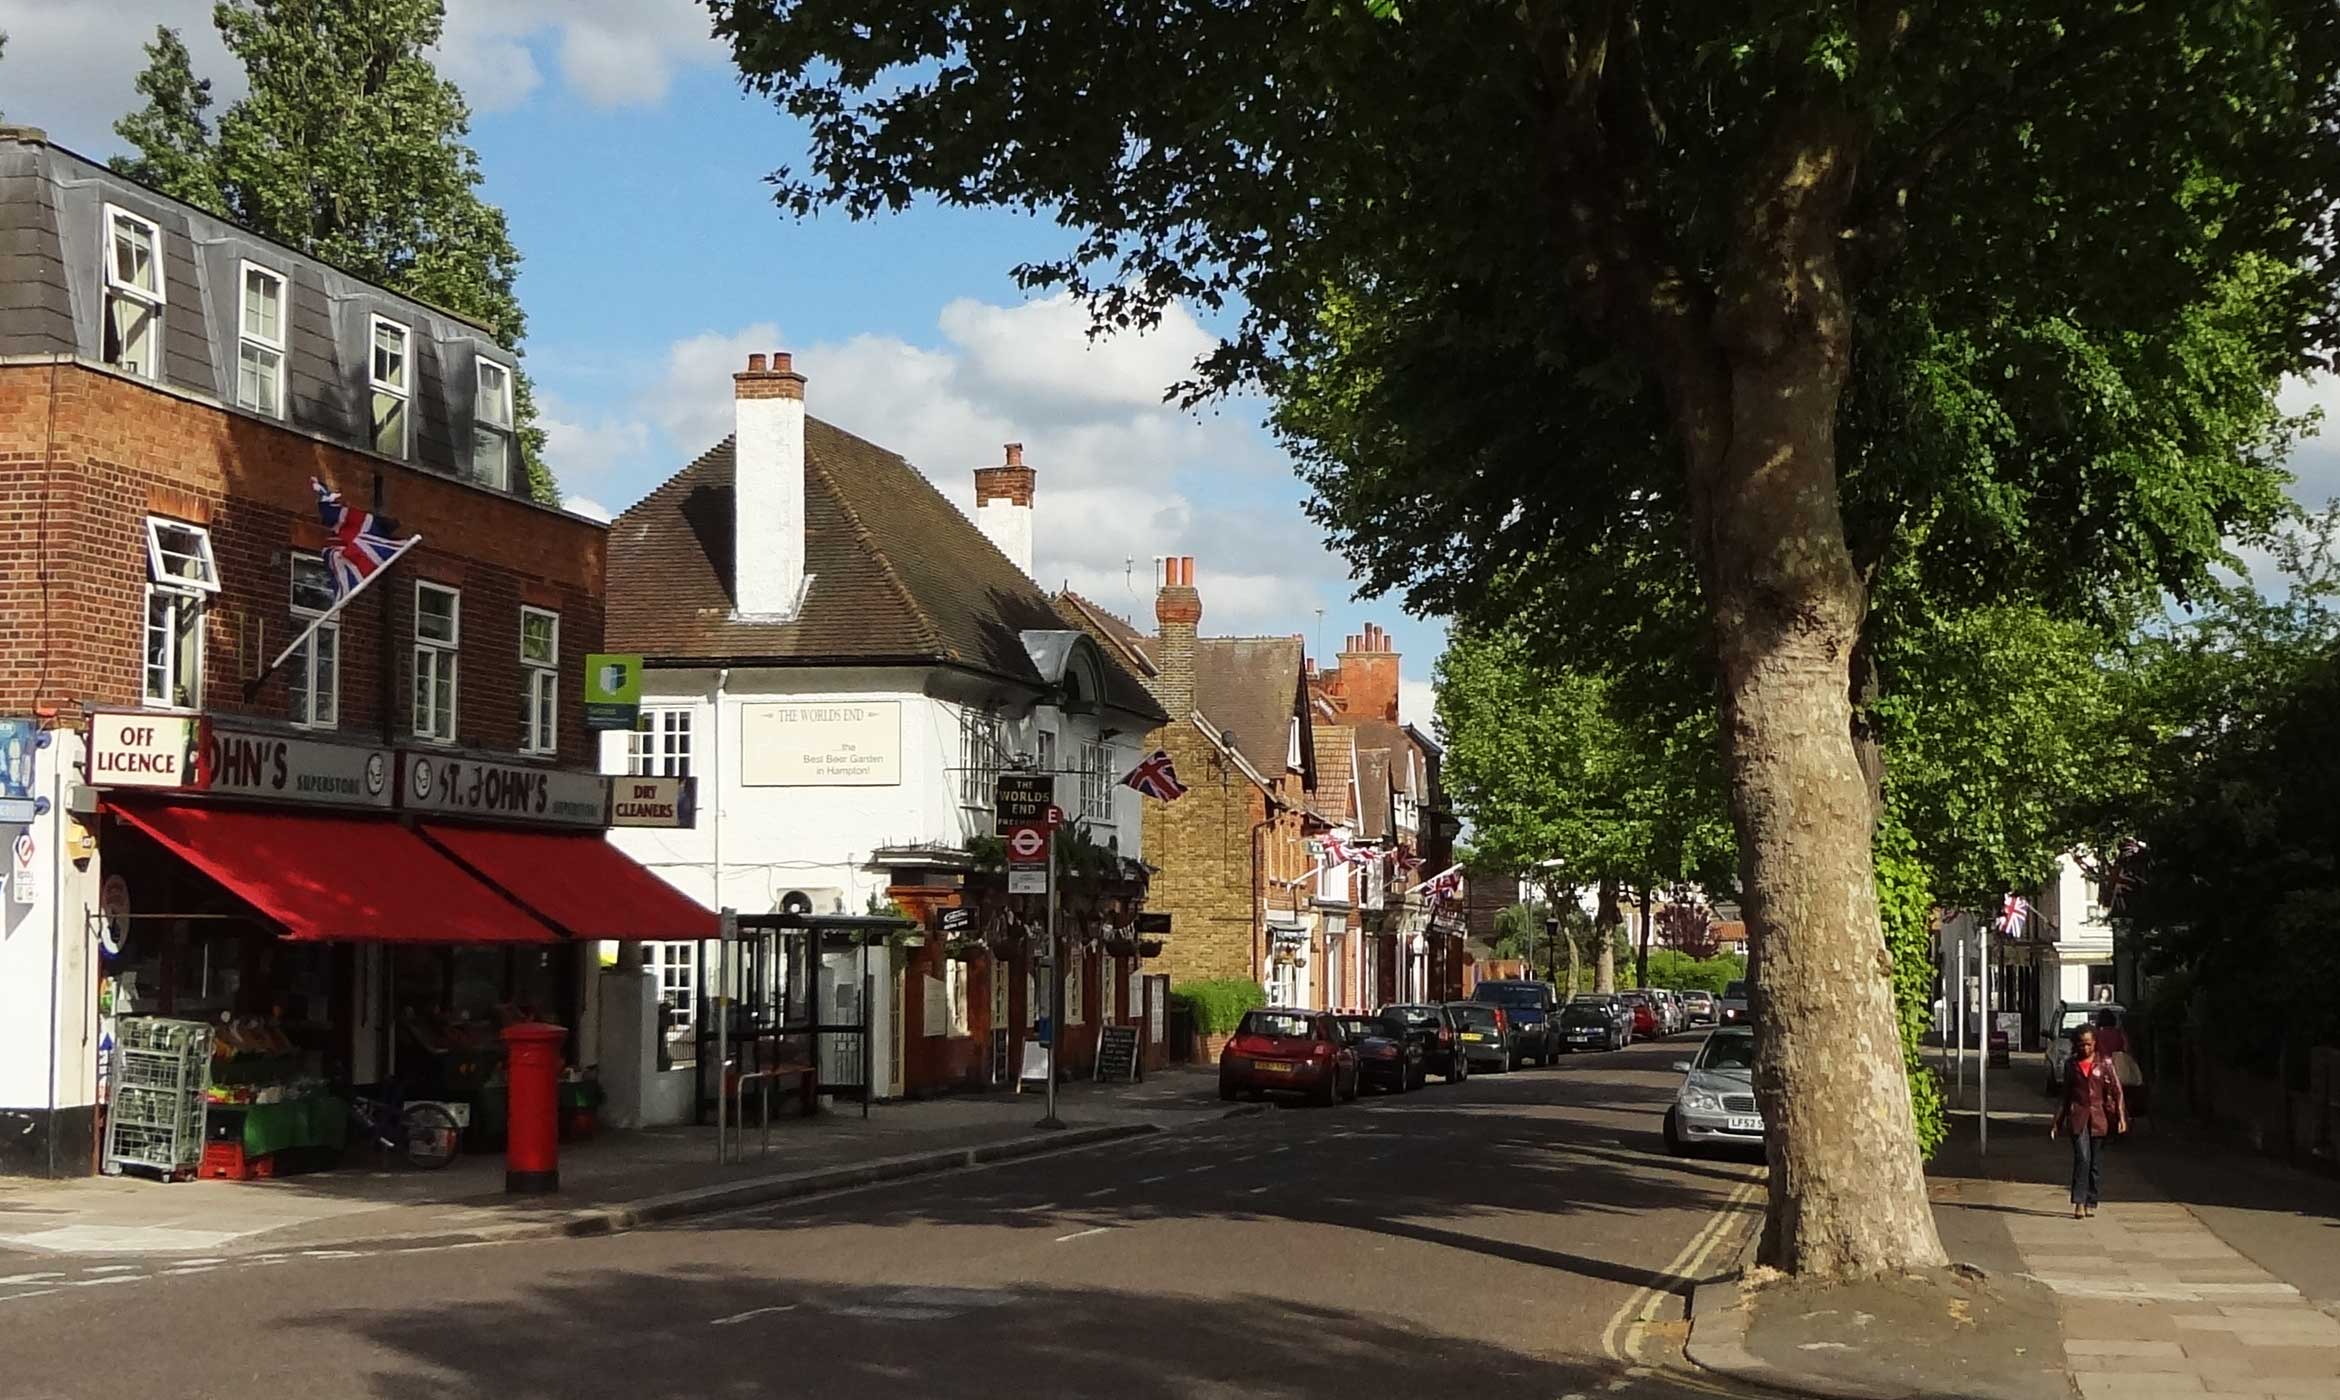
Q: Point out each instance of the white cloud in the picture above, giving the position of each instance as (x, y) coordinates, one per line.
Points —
(588, 507)
(71, 65)
(2316, 460)
(1418, 705)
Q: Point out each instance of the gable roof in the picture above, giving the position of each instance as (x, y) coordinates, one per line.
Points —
(1250, 688)
(1114, 632)
(1336, 764)
(899, 575)
(1373, 815)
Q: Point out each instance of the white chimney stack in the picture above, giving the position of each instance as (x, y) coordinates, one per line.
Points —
(1003, 506)
(767, 528)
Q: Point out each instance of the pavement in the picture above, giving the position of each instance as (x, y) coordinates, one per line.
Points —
(2207, 1272)
(1519, 1234)
(616, 1181)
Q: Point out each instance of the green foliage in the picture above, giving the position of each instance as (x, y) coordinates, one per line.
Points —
(1518, 928)
(1558, 783)
(1683, 973)
(1218, 1004)
(1905, 909)
(349, 146)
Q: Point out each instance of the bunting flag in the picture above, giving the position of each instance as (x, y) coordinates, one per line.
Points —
(1156, 777)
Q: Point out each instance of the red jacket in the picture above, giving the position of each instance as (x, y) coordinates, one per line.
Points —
(2092, 1096)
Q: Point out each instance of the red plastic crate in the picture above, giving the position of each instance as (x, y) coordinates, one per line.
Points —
(225, 1161)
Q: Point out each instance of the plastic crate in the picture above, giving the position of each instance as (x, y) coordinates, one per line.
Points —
(190, 1040)
(225, 1161)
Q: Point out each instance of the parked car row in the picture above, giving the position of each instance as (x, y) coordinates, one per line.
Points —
(1327, 1056)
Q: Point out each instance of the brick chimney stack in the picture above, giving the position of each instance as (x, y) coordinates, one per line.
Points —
(767, 544)
(1368, 676)
(1003, 506)
(1178, 611)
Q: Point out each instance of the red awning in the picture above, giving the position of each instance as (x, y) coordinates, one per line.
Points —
(333, 877)
(577, 881)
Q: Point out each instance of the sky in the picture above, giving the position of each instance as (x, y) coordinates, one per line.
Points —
(614, 135)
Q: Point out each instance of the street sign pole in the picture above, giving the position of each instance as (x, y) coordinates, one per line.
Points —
(1982, 1066)
(1055, 998)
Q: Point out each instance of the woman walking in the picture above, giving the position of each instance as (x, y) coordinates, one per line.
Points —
(2093, 1109)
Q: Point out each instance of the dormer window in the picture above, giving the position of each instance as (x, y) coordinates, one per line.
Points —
(260, 342)
(1292, 747)
(390, 378)
(133, 310)
(491, 427)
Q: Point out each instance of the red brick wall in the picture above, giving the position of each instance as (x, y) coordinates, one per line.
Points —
(81, 468)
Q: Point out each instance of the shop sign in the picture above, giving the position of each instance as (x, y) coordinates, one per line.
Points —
(20, 739)
(613, 690)
(24, 869)
(827, 743)
(653, 802)
(129, 750)
(1022, 799)
(246, 763)
(515, 792)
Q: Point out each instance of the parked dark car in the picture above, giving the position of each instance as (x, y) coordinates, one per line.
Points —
(1648, 1022)
(1389, 1056)
(1734, 1005)
(1280, 1051)
(1595, 1023)
(1485, 1035)
(1440, 1034)
(1531, 1007)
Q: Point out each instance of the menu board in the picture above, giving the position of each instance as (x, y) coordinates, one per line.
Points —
(1117, 1054)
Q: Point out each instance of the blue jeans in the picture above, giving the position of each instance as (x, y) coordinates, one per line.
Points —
(2087, 1168)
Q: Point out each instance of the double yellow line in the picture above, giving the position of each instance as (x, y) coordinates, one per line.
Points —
(1622, 1339)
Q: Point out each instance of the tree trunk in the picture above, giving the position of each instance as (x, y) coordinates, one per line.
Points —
(1848, 1195)
(1641, 955)
(1605, 922)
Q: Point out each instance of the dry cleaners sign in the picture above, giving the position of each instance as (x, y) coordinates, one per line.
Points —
(822, 743)
(652, 802)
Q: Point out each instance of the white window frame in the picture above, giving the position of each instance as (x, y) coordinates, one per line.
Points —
(187, 608)
(156, 299)
(500, 429)
(403, 392)
(540, 687)
(676, 966)
(250, 340)
(323, 704)
(1097, 764)
(982, 754)
(205, 579)
(660, 743)
(433, 657)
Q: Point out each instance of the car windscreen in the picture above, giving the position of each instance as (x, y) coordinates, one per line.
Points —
(1736, 991)
(1281, 1024)
(1359, 1027)
(1633, 999)
(1727, 1052)
(2073, 1018)
(1411, 1015)
(1509, 994)
(1585, 1014)
(1475, 1016)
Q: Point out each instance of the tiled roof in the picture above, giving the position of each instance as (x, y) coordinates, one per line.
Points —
(1112, 631)
(899, 574)
(1250, 688)
(1335, 762)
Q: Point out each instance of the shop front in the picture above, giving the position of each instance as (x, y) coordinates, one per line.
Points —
(349, 917)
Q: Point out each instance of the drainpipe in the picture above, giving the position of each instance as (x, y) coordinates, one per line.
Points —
(1258, 920)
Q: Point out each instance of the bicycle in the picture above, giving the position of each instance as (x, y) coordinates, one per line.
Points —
(425, 1134)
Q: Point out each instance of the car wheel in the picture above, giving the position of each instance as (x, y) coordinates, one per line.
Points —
(1226, 1091)
(1327, 1091)
(1674, 1143)
(1356, 1086)
(1458, 1069)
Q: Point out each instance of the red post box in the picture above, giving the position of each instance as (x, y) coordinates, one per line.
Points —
(532, 1133)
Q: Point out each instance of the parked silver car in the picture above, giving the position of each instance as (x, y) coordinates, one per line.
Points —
(1715, 1107)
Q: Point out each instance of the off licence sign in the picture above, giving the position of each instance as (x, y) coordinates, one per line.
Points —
(1022, 800)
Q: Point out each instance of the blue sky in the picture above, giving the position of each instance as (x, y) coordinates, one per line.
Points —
(616, 139)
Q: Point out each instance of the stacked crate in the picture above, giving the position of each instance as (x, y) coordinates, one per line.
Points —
(161, 1071)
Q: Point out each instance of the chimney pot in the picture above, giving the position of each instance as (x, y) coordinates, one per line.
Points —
(1186, 571)
(756, 364)
(1015, 454)
(783, 362)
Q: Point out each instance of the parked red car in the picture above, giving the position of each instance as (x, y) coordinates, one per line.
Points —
(1288, 1052)
(1645, 1016)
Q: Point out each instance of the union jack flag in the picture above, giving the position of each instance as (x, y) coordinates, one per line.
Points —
(1442, 884)
(1339, 852)
(1405, 857)
(1156, 777)
(362, 543)
(2014, 912)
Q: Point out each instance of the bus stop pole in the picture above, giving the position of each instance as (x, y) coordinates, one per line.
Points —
(1982, 1065)
(1055, 1045)
(730, 940)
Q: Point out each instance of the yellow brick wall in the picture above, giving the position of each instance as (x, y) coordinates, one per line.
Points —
(1201, 844)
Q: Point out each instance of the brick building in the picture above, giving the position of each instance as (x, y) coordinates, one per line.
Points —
(361, 833)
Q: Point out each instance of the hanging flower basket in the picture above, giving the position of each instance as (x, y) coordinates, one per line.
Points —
(967, 949)
(1150, 947)
(1122, 947)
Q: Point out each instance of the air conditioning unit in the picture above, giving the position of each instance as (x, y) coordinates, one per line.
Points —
(821, 900)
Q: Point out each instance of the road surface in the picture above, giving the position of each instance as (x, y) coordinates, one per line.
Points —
(1523, 1235)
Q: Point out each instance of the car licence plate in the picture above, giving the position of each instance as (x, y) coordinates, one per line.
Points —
(1473, 1035)
(1272, 1066)
(1743, 1123)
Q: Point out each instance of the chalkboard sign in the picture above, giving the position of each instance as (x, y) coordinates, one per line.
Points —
(1117, 1053)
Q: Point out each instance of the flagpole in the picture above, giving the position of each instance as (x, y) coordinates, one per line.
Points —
(252, 686)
